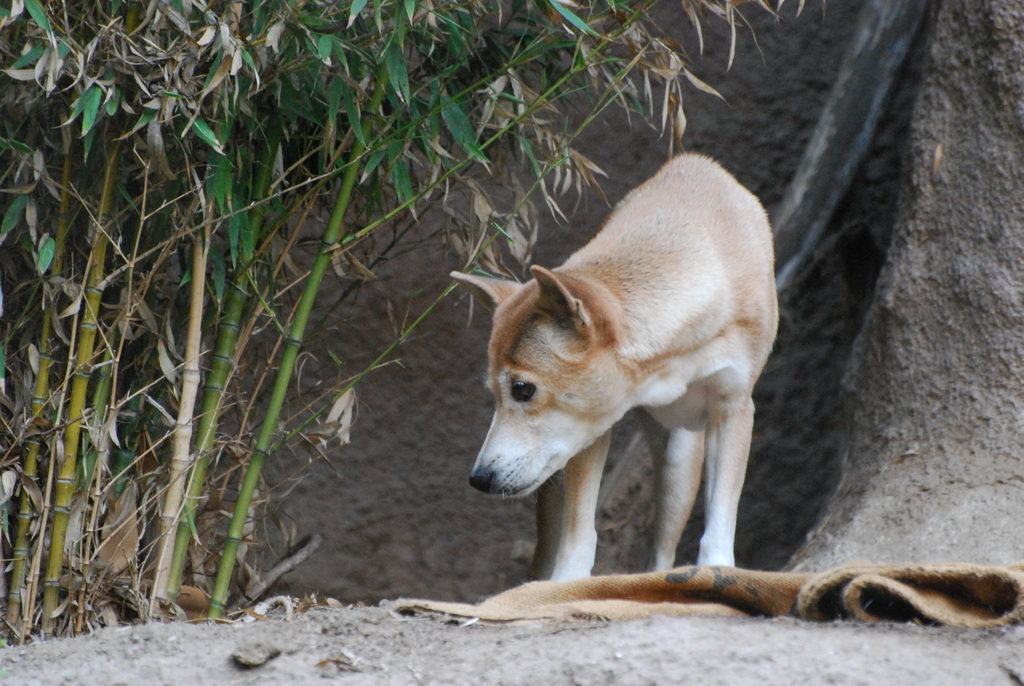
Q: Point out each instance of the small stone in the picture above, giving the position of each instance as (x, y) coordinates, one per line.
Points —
(250, 655)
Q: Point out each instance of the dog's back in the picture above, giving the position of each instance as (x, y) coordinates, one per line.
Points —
(687, 253)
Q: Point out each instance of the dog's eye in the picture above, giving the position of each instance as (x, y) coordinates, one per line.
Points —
(522, 391)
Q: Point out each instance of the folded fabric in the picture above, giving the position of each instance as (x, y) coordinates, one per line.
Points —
(953, 594)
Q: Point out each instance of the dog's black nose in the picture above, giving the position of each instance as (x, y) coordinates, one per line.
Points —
(482, 480)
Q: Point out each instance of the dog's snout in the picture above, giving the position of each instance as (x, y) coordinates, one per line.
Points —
(482, 480)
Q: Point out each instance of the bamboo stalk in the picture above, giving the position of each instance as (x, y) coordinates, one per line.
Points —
(222, 364)
(94, 461)
(97, 459)
(39, 396)
(65, 485)
(100, 398)
(32, 578)
(182, 438)
(284, 373)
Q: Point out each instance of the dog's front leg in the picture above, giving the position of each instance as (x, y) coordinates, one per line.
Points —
(578, 539)
(677, 481)
(550, 506)
(727, 446)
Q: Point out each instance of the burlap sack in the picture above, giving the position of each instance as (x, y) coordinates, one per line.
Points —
(951, 594)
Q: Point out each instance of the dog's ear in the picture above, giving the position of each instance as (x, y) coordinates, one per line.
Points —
(558, 297)
(491, 292)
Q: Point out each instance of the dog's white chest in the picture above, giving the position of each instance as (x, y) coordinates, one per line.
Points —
(688, 412)
(679, 397)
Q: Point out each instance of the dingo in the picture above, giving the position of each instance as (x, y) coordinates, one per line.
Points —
(671, 307)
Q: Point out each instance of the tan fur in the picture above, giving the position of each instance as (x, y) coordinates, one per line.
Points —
(670, 307)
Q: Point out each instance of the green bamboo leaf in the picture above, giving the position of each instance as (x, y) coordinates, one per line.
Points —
(223, 180)
(88, 141)
(571, 17)
(314, 21)
(402, 180)
(394, 60)
(528, 149)
(324, 48)
(204, 132)
(297, 103)
(378, 15)
(144, 119)
(215, 72)
(355, 117)
(38, 15)
(11, 144)
(433, 125)
(76, 108)
(247, 237)
(14, 213)
(250, 237)
(46, 251)
(341, 52)
(357, 7)
(219, 269)
(114, 101)
(410, 8)
(372, 162)
(91, 100)
(461, 129)
(29, 58)
(335, 92)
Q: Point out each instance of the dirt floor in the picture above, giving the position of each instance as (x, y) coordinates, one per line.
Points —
(377, 646)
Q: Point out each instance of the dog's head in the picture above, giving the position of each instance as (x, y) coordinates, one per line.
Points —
(553, 372)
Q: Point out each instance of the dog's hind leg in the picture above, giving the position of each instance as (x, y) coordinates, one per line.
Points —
(677, 481)
(574, 558)
(728, 447)
(550, 505)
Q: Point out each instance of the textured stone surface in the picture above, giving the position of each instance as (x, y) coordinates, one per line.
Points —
(935, 469)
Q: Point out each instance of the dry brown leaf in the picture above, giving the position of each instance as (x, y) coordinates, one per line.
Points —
(33, 355)
(167, 366)
(357, 269)
(120, 544)
(194, 601)
(342, 415)
(700, 85)
(8, 480)
(155, 143)
(35, 494)
(108, 614)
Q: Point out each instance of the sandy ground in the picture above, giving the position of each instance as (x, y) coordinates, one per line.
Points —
(379, 646)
